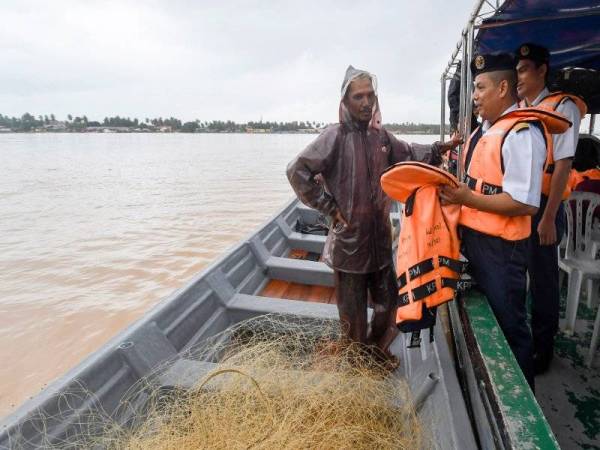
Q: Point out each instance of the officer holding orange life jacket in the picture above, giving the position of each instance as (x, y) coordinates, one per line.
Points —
(548, 224)
(503, 163)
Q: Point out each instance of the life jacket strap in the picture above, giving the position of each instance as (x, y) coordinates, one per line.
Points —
(453, 264)
(550, 168)
(402, 280)
(427, 266)
(425, 290)
(458, 285)
(478, 185)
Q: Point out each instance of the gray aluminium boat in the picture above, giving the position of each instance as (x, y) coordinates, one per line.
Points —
(233, 289)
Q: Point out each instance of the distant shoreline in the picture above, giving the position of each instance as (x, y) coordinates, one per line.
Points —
(412, 132)
(29, 123)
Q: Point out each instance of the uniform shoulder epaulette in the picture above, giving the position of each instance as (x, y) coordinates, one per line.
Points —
(521, 126)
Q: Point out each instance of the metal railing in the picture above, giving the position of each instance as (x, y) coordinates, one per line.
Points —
(464, 52)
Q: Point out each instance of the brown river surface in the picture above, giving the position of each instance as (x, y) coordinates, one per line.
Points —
(97, 228)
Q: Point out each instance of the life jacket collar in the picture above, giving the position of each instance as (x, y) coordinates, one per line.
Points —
(401, 180)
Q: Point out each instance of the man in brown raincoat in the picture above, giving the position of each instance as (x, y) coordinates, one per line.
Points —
(350, 157)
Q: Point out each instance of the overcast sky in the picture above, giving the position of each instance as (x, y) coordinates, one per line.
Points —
(246, 60)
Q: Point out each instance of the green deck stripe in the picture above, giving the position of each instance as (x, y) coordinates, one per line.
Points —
(527, 426)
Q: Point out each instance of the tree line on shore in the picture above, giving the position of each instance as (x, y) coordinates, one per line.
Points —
(30, 123)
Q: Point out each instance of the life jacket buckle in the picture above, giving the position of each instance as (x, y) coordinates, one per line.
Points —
(415, 339)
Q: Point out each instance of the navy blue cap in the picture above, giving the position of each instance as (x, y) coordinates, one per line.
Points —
(492, 62)
(533, 52)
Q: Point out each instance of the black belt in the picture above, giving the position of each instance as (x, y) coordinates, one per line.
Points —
(486, 188)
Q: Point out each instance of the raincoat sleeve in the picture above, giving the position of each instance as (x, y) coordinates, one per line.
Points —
(313, 160)
(402, 151)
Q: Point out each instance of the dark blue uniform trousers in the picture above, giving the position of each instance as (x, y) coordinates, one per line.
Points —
(543, 283)
(499, 268)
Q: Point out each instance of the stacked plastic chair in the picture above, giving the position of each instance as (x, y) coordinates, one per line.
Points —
(580, 260)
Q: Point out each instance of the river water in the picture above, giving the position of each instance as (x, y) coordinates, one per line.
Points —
(97, 228)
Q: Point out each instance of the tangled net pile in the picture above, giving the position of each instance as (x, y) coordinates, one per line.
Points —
(274, 383)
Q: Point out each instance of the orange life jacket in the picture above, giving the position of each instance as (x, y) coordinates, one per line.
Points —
(550, 103)
(427, 262)
(484, 171)
(577, 177)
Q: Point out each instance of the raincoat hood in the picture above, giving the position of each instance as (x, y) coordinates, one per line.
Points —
(344, 115)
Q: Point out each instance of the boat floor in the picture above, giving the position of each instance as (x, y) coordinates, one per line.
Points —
(569, 393)
(298, 291)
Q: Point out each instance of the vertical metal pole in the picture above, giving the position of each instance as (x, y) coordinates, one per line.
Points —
(463, 94)
(592, 123)
(443, 110)
(468, 98)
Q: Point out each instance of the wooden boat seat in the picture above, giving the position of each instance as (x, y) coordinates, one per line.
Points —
(284, 286)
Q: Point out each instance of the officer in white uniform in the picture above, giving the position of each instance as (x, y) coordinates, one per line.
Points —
(523, 155)
(497, 264)
(549, 223)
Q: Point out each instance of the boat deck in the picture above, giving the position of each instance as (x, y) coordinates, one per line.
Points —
(299, 291)
(277, 271)
(569, 393)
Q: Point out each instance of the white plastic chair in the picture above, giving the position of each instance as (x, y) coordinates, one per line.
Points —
(594, 285)
(579, 260)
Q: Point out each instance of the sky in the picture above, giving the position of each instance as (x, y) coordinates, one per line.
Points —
(227, 60)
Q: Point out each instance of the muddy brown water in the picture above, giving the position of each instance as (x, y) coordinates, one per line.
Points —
(96, 228)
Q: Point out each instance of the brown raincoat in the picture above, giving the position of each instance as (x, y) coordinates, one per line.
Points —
(351, 159)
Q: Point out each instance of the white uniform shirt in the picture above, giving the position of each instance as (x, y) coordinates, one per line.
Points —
(523, 154)
(565, 143)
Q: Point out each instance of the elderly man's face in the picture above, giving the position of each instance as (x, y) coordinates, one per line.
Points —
(360, 99)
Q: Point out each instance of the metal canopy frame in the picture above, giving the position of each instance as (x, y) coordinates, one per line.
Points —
(484, 9)
(464, 52)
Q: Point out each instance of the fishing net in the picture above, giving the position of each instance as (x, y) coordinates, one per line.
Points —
(270, 382)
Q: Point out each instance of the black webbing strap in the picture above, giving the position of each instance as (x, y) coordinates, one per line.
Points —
(415, 339)
(463, 285)
(402, 280)
(403, 299)
(458, 285)
(410, 204)
(550, 168)
(453, 264)
(425, 290)
(472, 143)
(486, 188)
(421, 268)
(427, 266)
